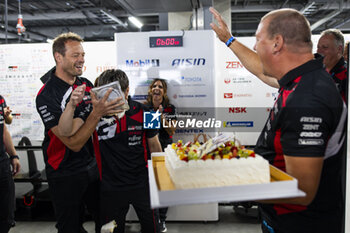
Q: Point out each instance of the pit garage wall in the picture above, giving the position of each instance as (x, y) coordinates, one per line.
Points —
(22, 65)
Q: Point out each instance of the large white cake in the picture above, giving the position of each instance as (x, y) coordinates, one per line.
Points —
(214, 170)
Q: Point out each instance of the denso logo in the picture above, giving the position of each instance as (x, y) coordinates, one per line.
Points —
(233, 65)
(188, 62)
(143, 63)
(237, 110)
(228, 95)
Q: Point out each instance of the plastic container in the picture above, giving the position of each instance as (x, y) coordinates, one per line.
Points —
(116, 93)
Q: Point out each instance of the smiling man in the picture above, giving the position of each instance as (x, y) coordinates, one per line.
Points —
(331, 46)
(304, 133)
(70, 165)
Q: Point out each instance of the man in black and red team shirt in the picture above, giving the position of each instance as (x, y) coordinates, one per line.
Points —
(7, 187)
(331, 46)
(71, 168)
(304, 133)
(124, 148)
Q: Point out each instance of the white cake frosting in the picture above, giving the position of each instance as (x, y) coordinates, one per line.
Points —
(216, 173)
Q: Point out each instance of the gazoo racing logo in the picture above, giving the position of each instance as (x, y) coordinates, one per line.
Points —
(142, 63)
(188, 62)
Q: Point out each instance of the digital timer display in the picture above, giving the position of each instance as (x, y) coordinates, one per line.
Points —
(165, 41)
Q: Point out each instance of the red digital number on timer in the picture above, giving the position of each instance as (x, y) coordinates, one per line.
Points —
(168, 41)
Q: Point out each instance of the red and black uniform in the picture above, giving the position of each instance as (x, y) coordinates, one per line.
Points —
(72, 176)
(7, 188)
(339, 74)
(307, 120)
(122, 154)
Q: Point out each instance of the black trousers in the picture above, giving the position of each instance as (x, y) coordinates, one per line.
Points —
(70, 195)
(162, 214)
(115, 206)
(7, 196)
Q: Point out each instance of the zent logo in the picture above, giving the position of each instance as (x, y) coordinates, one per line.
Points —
(151, 120)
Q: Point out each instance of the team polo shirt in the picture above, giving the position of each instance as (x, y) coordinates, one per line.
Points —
(307, 120)
(50, 103)
(2, 122)
(122, 150)
(339, 75)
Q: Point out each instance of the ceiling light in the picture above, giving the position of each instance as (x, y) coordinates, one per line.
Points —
(135, 21)
(49, 41)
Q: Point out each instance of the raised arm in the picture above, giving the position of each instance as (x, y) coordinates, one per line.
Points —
(67, 126)
(248, 57)
(101, 108)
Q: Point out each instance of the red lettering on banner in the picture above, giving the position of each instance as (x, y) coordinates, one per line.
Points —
(228, 95)
(237, 110)
(233, 65)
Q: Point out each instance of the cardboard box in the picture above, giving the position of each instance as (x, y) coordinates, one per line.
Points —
(163, 192)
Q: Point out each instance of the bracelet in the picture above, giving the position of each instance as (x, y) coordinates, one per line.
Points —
(14, 157)
(230, 41)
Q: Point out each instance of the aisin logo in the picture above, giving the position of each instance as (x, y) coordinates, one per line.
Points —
(151, 120)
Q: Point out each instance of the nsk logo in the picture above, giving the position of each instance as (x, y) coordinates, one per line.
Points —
(188, 62)
(237, 110)
(233, 65)
(143, 63)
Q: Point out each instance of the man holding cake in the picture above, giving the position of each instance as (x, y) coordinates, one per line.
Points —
(304, 132)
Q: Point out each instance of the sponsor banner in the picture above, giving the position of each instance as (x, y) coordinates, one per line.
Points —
(183, 67)
(139, 97)
(229, 124)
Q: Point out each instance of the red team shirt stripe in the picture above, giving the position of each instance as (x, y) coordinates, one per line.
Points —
(144, 144)
(41, 89)
(55, 151)
(97, 153)
(138, 116)
(279, 162)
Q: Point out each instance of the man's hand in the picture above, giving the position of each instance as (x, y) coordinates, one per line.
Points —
(103, 107)
(8, 116)
(7, 111)
(16, 166)
(77, 95)
(221, 30)
(161, 108)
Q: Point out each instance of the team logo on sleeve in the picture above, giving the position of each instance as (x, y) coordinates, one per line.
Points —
(151, 120)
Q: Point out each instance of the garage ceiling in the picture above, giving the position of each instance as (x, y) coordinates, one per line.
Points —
(99, 19)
